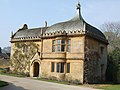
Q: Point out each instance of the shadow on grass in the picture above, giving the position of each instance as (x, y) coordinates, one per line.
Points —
(3, 83)
(12, 87)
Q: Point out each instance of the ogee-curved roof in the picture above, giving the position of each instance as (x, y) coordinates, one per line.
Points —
(75, 24)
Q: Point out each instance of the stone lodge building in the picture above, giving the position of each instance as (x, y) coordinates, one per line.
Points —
(73, 51)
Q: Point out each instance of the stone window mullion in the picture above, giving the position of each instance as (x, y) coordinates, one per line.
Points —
(59, 67)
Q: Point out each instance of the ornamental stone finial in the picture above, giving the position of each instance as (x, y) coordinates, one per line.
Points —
(78, 5)
(25, 27)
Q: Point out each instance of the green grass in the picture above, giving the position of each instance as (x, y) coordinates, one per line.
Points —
(54, 81)
(2, 83)
(104, 86)
(12, 74)
(3, 72)
(112, 87)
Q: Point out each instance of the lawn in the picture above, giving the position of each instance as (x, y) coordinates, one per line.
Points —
(3, 71)
(112, 87)
(104, 86)
(53, 81)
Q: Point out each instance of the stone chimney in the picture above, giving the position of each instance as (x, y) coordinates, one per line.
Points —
(11, 34)
(45, 23)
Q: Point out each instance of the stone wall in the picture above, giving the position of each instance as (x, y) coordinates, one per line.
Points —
(76, 71)
(95, 61)
(75, 58)
(19, 60)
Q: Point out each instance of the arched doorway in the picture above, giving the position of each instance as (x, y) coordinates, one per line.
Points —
(36, 69)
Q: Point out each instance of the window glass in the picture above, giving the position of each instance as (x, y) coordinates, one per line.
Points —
(62, 68)
(69, 45)
(69, 41)
(52, 66)
(58, 47)
(68, 48)
(62, 41)
(68, 67)
(62, 48)
(58, 41)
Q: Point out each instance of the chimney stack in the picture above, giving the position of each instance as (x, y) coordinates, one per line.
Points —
(11, 34)
(45, 23)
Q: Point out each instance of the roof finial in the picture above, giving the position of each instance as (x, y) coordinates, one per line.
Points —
(78, 16)
(78, 5)
(24, 27)
(79, 10)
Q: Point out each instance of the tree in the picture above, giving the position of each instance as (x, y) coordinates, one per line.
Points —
(112, 32)
(113, 69)
(6, 49)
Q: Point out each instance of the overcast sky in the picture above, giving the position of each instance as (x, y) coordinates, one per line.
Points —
(15, 13)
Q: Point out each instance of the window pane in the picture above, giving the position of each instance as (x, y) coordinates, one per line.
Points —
(62, 68)
(69, 41)
(58, 41)
(58, 47)
(52, 66)
(68, 67)
(62, 48)
(62, 41)
(53, 48)
(57, 67)
(69, 48)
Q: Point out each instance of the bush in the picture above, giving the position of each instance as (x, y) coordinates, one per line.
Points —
(118, 76)
(113, 67)
(2, 83)
(4, 70)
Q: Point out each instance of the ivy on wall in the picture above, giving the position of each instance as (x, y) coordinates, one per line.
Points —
(20, 61)
(91, 64)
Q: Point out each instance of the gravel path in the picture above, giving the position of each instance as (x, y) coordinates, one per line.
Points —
(17, 83)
